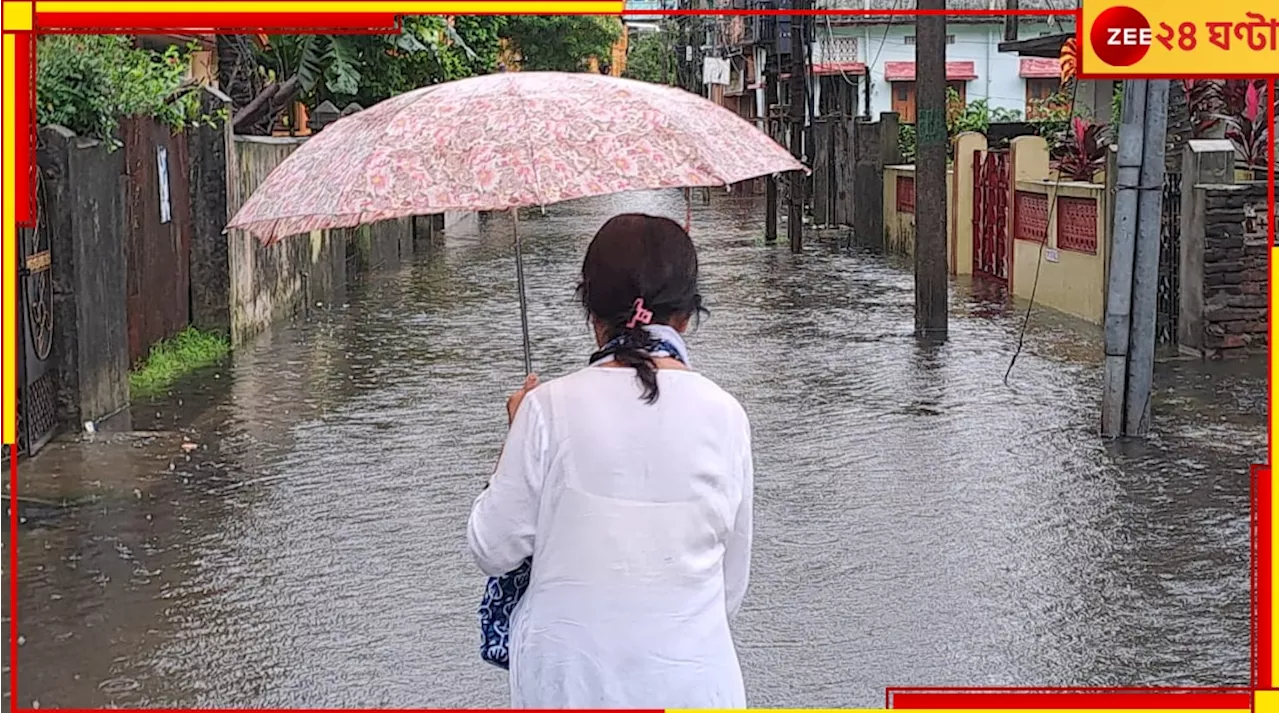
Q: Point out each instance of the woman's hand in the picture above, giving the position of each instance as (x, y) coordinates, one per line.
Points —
(514, 400)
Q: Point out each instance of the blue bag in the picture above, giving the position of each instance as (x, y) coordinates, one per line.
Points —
(500, 596)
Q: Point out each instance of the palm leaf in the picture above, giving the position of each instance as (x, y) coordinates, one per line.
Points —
(456, 38)
(312, 53)
(343, 74)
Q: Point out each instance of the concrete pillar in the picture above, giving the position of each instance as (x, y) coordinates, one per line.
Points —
(961, 228)
(1204, 162)
(875, 145)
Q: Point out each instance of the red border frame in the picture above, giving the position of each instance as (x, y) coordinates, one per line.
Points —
(1069, 698)
(1263, 629)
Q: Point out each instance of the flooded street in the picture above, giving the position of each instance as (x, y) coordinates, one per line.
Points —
(918, 521)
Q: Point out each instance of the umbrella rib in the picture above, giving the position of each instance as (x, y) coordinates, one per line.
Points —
(533, 158)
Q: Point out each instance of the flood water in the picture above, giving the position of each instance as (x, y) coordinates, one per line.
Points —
(919, 522)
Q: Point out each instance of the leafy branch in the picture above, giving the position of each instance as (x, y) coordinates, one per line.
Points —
(87, 83)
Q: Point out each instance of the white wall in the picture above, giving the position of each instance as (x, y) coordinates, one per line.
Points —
(998, 81)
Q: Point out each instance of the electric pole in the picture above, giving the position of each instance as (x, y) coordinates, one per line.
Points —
(931, 171)
(770, 182)
(1011, 21)
(799, 104)
(1146, 263)
(1124, 236)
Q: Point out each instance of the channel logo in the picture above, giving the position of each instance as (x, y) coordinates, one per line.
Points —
(1120, 36)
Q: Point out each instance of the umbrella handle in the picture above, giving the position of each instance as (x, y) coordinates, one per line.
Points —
(524, 303)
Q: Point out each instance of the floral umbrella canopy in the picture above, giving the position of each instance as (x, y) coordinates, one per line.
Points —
(504, 141)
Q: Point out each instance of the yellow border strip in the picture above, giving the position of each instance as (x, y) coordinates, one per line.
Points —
(8, 262)
(423, 7)
(1273, 388)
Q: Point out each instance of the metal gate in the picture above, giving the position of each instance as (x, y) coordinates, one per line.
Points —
(1167, 289)
(37, 388)
(991, 214)
(158, 238)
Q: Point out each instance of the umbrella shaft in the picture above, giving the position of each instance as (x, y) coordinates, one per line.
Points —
(524, 303)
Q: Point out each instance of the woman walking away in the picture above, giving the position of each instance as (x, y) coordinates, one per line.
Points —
(629, 484)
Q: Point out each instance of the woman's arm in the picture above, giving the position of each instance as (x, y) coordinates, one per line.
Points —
(504, 517)
(737, 555)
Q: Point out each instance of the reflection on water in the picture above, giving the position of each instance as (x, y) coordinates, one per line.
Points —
(919, 522)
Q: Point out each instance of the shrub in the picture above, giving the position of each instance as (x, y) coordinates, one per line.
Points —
(87, 83)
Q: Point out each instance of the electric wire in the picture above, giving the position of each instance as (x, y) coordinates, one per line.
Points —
(1050, 211)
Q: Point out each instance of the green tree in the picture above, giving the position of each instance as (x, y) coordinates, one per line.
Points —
(420, 58)
(651, 57)
(87, 83)
(370, 68)
(430, 49)
(562, 43)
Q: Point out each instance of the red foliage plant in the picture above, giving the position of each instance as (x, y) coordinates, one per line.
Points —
(1083, 151)
(1237, 105)
(1246, 122)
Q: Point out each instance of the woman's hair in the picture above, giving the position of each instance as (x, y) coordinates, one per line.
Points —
(639, 257)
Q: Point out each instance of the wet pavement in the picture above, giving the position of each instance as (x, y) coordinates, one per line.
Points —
(919, 522)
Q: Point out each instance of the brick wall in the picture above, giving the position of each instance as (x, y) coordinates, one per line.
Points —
(1235, 271)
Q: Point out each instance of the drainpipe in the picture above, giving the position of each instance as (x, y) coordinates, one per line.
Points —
(866, 39)
(987, 71)
(867, 91)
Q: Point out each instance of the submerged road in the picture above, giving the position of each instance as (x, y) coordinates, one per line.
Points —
(918, 521)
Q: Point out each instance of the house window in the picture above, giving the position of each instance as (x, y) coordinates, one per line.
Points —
(837, 49)
(1042, 94)
(903, 100)
(911, 39)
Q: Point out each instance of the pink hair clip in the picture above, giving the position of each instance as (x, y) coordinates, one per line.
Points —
(641, 315)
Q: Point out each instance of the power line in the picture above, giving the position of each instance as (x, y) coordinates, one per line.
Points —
(1035, 282)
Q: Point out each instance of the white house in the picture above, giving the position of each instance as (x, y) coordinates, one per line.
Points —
(849, 48)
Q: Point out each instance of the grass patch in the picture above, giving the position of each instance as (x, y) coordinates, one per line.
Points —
(173, 358)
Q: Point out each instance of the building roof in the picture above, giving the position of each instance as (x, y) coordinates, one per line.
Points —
(896, 10)
(1044, 46)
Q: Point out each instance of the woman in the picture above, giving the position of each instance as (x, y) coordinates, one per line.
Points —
(629, 484)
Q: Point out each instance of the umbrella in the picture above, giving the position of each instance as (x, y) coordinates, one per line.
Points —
(505, 141)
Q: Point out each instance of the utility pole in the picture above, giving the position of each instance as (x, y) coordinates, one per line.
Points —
(1011, 21)
(931, 171)
(1124, 233)
(770, 182)
(1146, 263)
(799, 103)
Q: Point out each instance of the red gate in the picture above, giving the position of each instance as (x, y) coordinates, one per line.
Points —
(991, 214)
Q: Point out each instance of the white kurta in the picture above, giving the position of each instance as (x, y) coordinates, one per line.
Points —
(638, 518)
